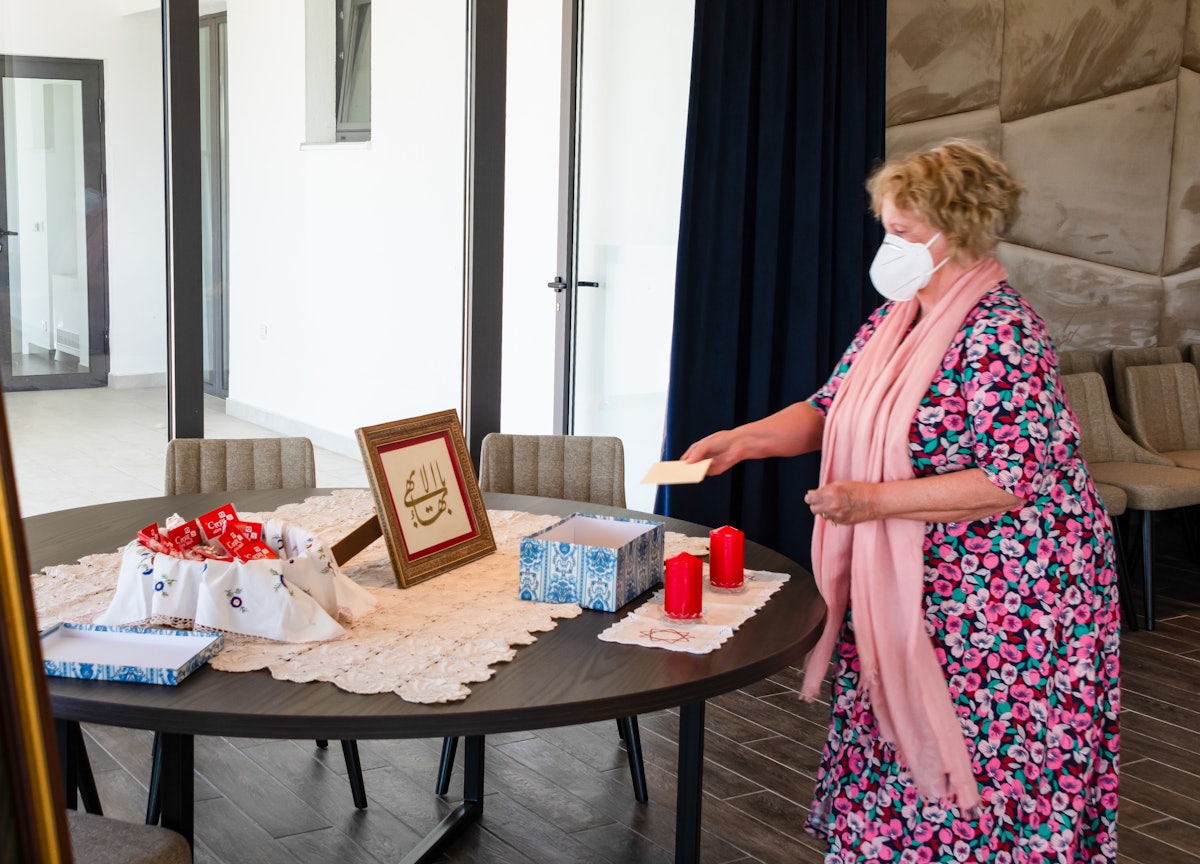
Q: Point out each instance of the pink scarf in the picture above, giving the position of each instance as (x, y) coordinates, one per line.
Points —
(878, 566)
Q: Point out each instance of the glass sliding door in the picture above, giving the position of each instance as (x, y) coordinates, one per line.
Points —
(53, 238)
(214, 202)
(634, 70)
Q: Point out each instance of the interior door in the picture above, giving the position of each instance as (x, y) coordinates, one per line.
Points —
(624, 166)
(53, 234)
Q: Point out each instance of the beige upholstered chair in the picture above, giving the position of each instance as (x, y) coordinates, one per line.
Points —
(1078, 360)
(1151, 483)
(100, 840)
(231, 464)
(1123, 358)
(1164, 409)
(570, 467)
(1115, 501)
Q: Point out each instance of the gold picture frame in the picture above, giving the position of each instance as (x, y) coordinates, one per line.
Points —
(426, 495)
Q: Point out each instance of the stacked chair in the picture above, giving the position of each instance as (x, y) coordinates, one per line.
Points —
(572, 468)
(1125, 358)
(1152, 482)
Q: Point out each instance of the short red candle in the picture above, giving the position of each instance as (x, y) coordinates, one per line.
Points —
(726, 551)
(684, 582)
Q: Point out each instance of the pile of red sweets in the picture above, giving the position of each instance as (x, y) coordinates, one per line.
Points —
(218, 534)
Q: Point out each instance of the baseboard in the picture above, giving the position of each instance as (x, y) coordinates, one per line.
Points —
(343, 445)
(135, 382)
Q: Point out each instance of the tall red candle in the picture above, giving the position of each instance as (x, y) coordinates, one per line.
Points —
(683, 582)
(726, 551)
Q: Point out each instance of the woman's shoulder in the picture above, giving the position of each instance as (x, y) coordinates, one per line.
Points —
(1005, 306)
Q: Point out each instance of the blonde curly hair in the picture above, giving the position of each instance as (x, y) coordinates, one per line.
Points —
(958, 187)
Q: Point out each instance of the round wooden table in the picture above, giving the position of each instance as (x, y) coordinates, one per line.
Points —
(568, 676)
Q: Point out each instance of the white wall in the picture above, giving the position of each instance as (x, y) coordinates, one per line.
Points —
(346, 260)
(129, 45)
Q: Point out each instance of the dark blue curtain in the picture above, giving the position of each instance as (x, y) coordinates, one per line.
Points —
(785, 121)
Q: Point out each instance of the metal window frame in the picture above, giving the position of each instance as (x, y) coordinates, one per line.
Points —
(349, 21)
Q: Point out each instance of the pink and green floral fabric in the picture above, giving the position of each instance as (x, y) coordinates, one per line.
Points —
(1022, 608)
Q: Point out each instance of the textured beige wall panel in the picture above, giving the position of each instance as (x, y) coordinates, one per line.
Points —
(1191, 41)
(1085, 305)
(1097, 176)
(1182, 251)
(982, 126)
(1181, 310)
(1060, 52)
(943, 57)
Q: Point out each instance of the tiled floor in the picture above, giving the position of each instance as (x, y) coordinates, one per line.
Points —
(78, 447)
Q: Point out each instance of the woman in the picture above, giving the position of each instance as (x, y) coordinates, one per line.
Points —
(962, 550)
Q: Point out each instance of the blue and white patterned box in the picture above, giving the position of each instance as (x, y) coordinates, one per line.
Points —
(126, 653)
(599, 562)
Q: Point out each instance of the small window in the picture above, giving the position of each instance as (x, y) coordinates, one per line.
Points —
(353, 70)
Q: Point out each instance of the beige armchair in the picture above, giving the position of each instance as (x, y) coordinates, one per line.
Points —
(1123, 358)
(232, 464)
(1151, 483)
(571, 468)
(1164, 410)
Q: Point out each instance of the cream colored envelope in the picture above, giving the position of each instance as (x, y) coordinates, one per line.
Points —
(669, 473)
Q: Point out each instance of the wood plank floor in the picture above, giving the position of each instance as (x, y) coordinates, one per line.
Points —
(563, 795)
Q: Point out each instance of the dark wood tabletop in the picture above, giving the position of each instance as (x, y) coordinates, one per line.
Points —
(567, 676)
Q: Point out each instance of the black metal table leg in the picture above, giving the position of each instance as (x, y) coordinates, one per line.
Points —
(691, 782)
(177, 783)
(449, 748)
(358, 789)
(632, 737)
(463, 815)
(78, 781)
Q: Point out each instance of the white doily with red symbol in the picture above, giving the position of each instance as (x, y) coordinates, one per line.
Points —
(425, 643)
(722, 612)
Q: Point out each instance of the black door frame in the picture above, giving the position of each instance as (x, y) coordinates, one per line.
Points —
(90, 74)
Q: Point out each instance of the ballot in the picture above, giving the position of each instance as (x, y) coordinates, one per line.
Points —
(669, 473)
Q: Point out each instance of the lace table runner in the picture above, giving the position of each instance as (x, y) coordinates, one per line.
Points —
(723, 612)
(425, 643)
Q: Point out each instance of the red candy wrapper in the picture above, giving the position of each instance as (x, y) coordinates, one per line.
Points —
(185, 536)
(151, 537)
(252, 530)
(214, 523)
(241, 546)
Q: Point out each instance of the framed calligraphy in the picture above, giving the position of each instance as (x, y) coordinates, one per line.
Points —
(426, 495)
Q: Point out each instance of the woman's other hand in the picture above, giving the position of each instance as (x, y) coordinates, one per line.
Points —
(844, 503)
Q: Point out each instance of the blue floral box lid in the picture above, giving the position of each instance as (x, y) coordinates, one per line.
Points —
(126, 653)
(599, 562)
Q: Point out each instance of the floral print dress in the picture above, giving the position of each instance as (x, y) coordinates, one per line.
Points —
(1022, 608)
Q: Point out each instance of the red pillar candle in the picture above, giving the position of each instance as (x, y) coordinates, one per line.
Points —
(684, 582)
(726, 550)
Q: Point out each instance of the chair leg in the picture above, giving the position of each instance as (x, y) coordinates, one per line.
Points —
(79, 783)
(633, 749)
(1148, 567)
(358, 789)
(449, 746)
(1124, 588)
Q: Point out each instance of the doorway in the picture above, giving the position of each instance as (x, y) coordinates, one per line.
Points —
(53, 225)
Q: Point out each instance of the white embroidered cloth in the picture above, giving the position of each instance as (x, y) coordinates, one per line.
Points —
(425, 643)
(723, 611)
(297, 597)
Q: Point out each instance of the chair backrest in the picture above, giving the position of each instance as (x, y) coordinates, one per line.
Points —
(1079, 360)
(1164, 406)
(1100, 438)
(571, 467)
(1123, 358)
(232, 464)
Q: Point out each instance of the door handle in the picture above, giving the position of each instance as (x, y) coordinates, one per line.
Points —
(4, 232)
(559, 285)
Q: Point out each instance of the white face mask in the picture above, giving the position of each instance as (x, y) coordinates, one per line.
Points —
(902, 268)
